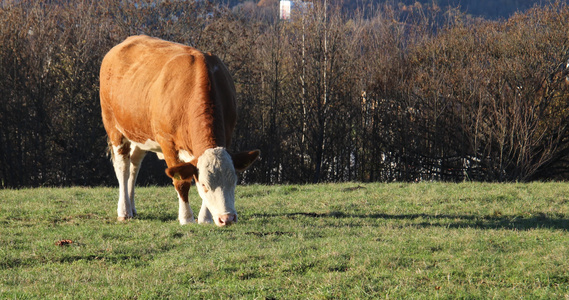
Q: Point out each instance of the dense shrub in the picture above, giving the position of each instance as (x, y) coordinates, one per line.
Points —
(401, 93)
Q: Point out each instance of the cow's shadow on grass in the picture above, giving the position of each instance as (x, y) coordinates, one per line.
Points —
(536, 220)
(149, 215)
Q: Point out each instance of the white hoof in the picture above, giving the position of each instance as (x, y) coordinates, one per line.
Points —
(205, 221)
(186, 221)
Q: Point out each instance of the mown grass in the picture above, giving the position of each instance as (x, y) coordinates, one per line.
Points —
(330, 241)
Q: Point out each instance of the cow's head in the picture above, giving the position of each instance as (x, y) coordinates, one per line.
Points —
(214, 173)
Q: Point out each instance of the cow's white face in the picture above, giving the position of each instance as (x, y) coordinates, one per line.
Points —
(216, 180)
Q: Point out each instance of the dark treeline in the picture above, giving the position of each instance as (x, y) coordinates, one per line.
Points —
(408, 92)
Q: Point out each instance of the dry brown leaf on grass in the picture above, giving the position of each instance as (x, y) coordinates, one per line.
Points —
(64, 242)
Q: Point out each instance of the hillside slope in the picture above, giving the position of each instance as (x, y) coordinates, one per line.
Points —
(491, 9)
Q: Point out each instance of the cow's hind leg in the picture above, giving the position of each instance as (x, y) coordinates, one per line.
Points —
(136, 157)
(121, 163)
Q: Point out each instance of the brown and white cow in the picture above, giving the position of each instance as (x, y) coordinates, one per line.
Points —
(176, 101)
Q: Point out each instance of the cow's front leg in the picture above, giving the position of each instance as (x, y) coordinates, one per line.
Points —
(181, 178)
(185, 213)
(205, 215)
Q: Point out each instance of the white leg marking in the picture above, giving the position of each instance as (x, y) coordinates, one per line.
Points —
(136, 157)
(121, 164)
(204, 216)
(185, 213)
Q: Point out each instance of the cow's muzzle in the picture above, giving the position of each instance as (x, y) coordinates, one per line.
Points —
(226, 220)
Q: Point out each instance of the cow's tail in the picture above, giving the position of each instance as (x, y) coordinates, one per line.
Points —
(109, 152)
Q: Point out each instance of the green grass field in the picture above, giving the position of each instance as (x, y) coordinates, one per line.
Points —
(330, 241)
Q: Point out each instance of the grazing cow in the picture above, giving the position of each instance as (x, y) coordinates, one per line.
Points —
(176, 101)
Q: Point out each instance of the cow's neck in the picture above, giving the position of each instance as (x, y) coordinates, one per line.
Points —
(201, 144)
(204, 116)
(204, 134)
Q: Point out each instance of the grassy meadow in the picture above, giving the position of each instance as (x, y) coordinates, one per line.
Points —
(328, 241)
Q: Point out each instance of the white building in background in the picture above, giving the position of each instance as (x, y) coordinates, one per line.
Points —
(288, 6)
(285, 9)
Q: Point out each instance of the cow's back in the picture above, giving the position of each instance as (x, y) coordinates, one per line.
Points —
(151, 88)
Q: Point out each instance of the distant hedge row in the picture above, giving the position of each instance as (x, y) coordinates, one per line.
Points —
(414, 94)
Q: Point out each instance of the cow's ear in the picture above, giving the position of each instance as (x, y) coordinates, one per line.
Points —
(185, 171)
(244, 160)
